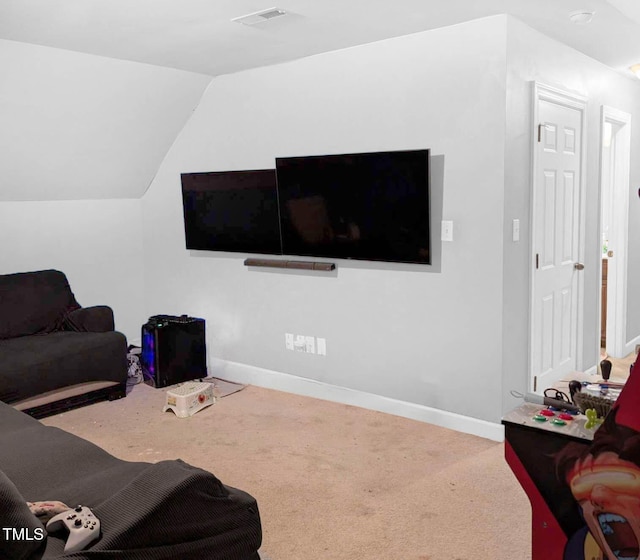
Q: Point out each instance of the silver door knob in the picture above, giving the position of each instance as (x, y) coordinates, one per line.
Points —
(578, 266)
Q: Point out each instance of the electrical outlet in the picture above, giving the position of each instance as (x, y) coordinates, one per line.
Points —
(300, 343)
(310, 345)
(288, 341)
(321, 346)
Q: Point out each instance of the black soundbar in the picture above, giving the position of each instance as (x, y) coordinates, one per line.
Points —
(300, 265)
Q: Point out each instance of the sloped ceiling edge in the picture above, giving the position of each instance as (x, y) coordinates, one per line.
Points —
(78, 126)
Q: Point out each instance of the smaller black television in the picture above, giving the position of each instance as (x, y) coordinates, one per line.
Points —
(367, 206)
(233, 211)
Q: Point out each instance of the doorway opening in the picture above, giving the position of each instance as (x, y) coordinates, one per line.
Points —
(614, 219)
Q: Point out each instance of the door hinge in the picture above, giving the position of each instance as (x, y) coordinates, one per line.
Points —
(537, 261)
(535, 383)
(540, 132)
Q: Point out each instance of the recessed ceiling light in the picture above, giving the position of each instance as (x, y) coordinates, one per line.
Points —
(635, 69)
(260, 17)
(581, 17)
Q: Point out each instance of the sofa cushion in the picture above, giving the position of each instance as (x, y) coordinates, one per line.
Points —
(34, 302)
(32, 365)
(98, 318)
(29, 541)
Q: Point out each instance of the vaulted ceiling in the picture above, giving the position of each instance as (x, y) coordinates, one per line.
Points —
(93, 92)
(200, 36)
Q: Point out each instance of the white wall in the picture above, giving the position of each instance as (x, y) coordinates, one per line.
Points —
(97, 244)
(452, 337)
(409, 333)
(533, 57)
(78, 126)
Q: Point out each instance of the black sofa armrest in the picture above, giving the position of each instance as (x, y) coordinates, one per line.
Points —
(98, 318)
(174, 510)
(16, 515)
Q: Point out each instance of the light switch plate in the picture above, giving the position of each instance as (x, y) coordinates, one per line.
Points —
(447, 230)
(321, 346)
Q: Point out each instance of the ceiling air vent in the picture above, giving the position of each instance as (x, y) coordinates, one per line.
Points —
(260, 17)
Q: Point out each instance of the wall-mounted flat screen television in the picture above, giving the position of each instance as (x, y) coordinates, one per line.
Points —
(233, 211)
(368, 206)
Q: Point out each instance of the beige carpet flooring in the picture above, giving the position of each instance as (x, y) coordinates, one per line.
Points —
(332, 481)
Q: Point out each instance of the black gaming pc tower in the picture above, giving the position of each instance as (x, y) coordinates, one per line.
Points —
(173, 350)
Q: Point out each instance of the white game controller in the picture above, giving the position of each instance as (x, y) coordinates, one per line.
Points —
(83, 526)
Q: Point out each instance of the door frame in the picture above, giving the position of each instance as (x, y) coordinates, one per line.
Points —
(616, 290)
(552, 94)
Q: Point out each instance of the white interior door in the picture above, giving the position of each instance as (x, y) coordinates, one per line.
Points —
(556, 237)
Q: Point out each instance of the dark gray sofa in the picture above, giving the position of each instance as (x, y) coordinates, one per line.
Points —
(165, 510)
(55, 354)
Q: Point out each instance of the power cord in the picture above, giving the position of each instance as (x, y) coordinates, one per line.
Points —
(552, 393)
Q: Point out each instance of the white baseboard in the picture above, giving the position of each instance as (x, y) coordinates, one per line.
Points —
(630, 347)
(269, 379)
